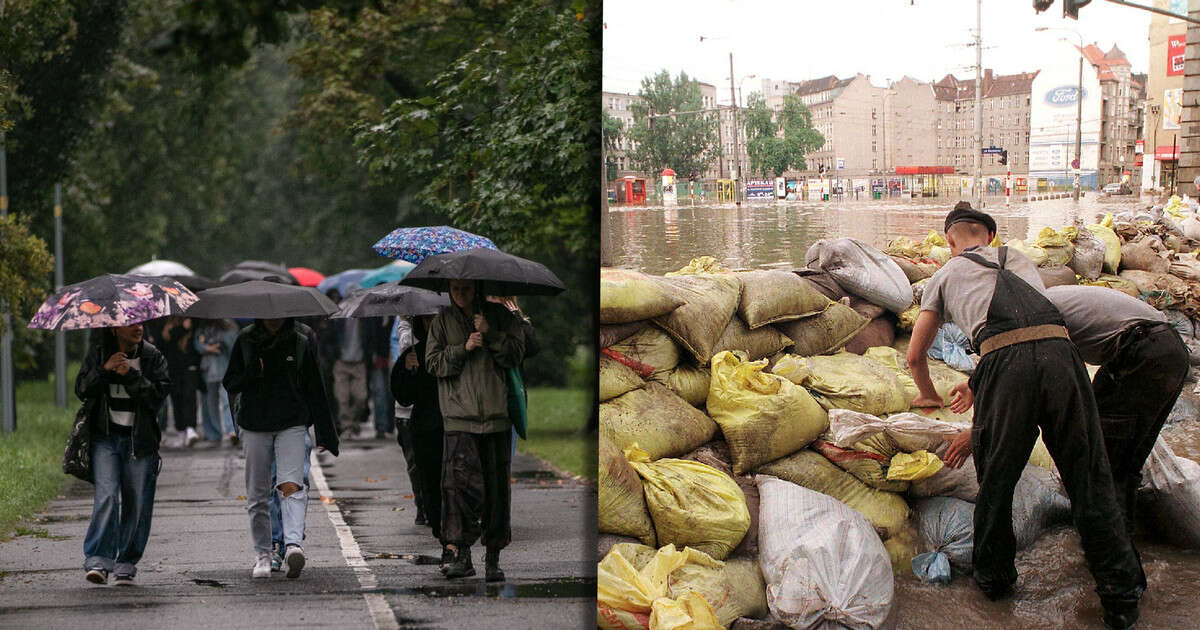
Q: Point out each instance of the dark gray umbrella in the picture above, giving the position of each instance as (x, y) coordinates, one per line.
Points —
(389, 299)
(242, 274)
(500, 273)
(196, 283)
(262, 300)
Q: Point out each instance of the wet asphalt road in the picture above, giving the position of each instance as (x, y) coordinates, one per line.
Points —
(196, 570)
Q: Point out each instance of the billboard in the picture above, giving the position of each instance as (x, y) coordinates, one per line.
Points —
(1176, 49)
(760, 189)
(1055, 97)
(1172, 110)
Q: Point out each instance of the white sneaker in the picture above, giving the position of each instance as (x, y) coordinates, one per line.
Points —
(262, 566)
(191, 436)
(294, 558)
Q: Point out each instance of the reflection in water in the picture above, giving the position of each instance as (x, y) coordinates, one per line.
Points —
(657, 240)
(1055, 589)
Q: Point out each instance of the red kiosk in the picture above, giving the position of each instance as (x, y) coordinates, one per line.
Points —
(631, 190)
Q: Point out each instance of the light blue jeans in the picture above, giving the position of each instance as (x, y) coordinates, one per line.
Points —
(276, 509)
(122, 507)
(215, 412)
(287, 451)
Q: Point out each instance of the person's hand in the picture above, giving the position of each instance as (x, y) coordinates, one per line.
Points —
(410, 361)
(962, 398)
(926, 402)
(116, 360)
(320, 449)
(187, 323)
(475, 340)
(959, 449)
(214, 348)
(481, 324)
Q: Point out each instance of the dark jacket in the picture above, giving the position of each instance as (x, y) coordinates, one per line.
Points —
(376, 334)
(148, 387)
(275, 392)
(472, 385)
(419, 388)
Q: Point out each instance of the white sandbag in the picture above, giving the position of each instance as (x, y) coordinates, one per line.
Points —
(947, 527)
(1172, 490)
(1088, 258)
(1190, 227)
(823, 563)
(862, 270)
(909, 431)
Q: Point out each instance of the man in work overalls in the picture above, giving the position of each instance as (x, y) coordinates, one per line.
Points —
(1029, 377)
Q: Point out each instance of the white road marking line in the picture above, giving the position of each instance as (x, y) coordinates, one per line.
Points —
(381, 612)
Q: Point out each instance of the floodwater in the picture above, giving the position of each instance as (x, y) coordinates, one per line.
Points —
(1055, 589)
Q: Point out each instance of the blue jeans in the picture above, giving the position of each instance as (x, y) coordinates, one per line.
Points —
(217, 418)
(286, 449)
(276, 511)
(123, 505)
(382, 399)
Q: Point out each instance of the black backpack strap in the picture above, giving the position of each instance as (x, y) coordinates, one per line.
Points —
(980, 260)
(1003, 255)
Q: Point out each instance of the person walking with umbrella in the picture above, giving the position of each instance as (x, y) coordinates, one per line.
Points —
(469, 344)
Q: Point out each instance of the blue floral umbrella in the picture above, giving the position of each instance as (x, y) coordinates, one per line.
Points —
(415, 244)
(391, 272)
(112, 300)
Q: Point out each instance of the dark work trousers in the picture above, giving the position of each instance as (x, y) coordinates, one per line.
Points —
(1018, 389)
(184, 387)
(475, 489)
(427, 447)
(1135, 392)
(404, 437)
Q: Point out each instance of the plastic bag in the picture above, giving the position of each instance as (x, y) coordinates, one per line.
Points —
(627, 596)
(621, 506)
(823, 564)
(953, 347)
(1112, 243)
(692, 504)
(771, 296)
(862, 270)
(763, 416)
(657, 420)
(630, 296)
(913, 466)
(709, 304)
(909, 431)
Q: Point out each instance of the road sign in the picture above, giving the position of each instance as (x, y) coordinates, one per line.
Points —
(841, 164)
(1075, 163)
(992, 150)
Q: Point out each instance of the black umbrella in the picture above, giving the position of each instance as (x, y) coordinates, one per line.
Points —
(243, 274)
(501, 274)
(261, 299)
(196, 283)
(389, 299)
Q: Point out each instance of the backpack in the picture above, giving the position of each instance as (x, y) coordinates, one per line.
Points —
(304, 337)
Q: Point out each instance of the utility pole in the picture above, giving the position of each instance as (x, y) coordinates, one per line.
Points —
(737, 154)
(1079, 123)
(8, 398)
(978, 102)
(60, 344)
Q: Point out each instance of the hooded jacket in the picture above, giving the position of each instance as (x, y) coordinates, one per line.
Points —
(472, 385)
(147, 387)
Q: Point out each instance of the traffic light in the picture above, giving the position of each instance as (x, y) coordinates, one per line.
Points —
(1071, 8)
(1004, 157)
(1042, 5)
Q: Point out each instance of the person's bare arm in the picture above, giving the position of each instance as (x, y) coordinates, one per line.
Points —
(923, 334)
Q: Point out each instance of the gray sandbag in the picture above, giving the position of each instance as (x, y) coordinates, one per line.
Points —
(616, 333)
(770, 296)
(822, 282)
(862, 270)
(824, 333)
(1170, 495)
(757, 343)
(1142, 256)
(1088, 259)
(1056, 275)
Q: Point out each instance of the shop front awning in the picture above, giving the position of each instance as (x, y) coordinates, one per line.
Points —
(924, 170)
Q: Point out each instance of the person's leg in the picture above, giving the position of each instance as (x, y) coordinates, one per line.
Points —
(342, 375)
(462, 499)
(185, 409)
(276, 520)
(427, 473)
(231, 427)
(211, 411)
(139, 480)
(382, 400)
(260, 453)
(103, 534)
(358, 393)
(404, 435)
(290, 451)
(494, 449)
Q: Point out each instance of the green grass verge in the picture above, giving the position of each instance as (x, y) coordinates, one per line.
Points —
(557, 418)
(31, 458)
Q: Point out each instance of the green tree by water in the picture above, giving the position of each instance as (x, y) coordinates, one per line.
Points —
(687, 142)
(778, 141)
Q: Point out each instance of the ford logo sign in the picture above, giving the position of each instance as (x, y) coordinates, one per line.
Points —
(1063, 95)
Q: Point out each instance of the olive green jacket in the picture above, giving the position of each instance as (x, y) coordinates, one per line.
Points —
(473, 386)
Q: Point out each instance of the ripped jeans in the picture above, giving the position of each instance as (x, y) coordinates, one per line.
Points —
(288, 451)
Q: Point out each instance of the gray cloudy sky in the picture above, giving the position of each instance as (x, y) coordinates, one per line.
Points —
(887, 39)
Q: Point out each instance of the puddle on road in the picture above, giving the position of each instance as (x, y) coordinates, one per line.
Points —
(558, 588)
(212, 583)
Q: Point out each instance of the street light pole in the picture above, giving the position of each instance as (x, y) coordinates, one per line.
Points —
(8, 398)
(1079, 122)
(737, 154)
(978, 102)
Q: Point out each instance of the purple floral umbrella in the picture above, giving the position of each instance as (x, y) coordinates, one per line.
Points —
(112, 300)
(415, 244)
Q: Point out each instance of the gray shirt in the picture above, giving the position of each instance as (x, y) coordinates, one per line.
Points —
(962, 289)
(1096, 317)
(351, 350)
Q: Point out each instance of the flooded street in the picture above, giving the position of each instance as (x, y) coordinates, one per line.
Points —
(1055, 589)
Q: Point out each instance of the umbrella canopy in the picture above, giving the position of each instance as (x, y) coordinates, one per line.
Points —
(161, 268)
(306, 277)
(391, 272)
(112, 300)
(415, 244)
(389, 299)
(501, 274)
(243, 274)
(195, 283)
(261, 299)
(343, 281)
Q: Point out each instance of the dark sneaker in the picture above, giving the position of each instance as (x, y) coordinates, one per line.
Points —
(294, 558)
(97, 576)
(421, 520)
(123, 579)
(461, 566)
(491, 567)
(447, 558)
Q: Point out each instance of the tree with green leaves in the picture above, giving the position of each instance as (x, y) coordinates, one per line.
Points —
(611, 130)
(685, 142)
(778, 141)
(24, 265)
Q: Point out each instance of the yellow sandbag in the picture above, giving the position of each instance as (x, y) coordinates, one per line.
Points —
(736, 590)
(629, 296)
(908, 317)
(914, 466)
(702, 264)
(651, 346)
(1057, 245)
(622, 505)
(907, 248)
(940, 254)
(770, 296)
(886, 511)
(902, 548)
(757, 343)
(689, 612)
(1114, 282)
(1041, 455)
(827, 331)
(616, 379)
(1035, 253)
(933, 239)
(848, 381)
(622, 586)
(688, 382)
(762, 416)
(1112, 244)
(872, 471)
(1175, 207)
(657, 419)
(944, 377)
(709, 302)
(692, 504)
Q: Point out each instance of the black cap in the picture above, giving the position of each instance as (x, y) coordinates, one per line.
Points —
(964, 212)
